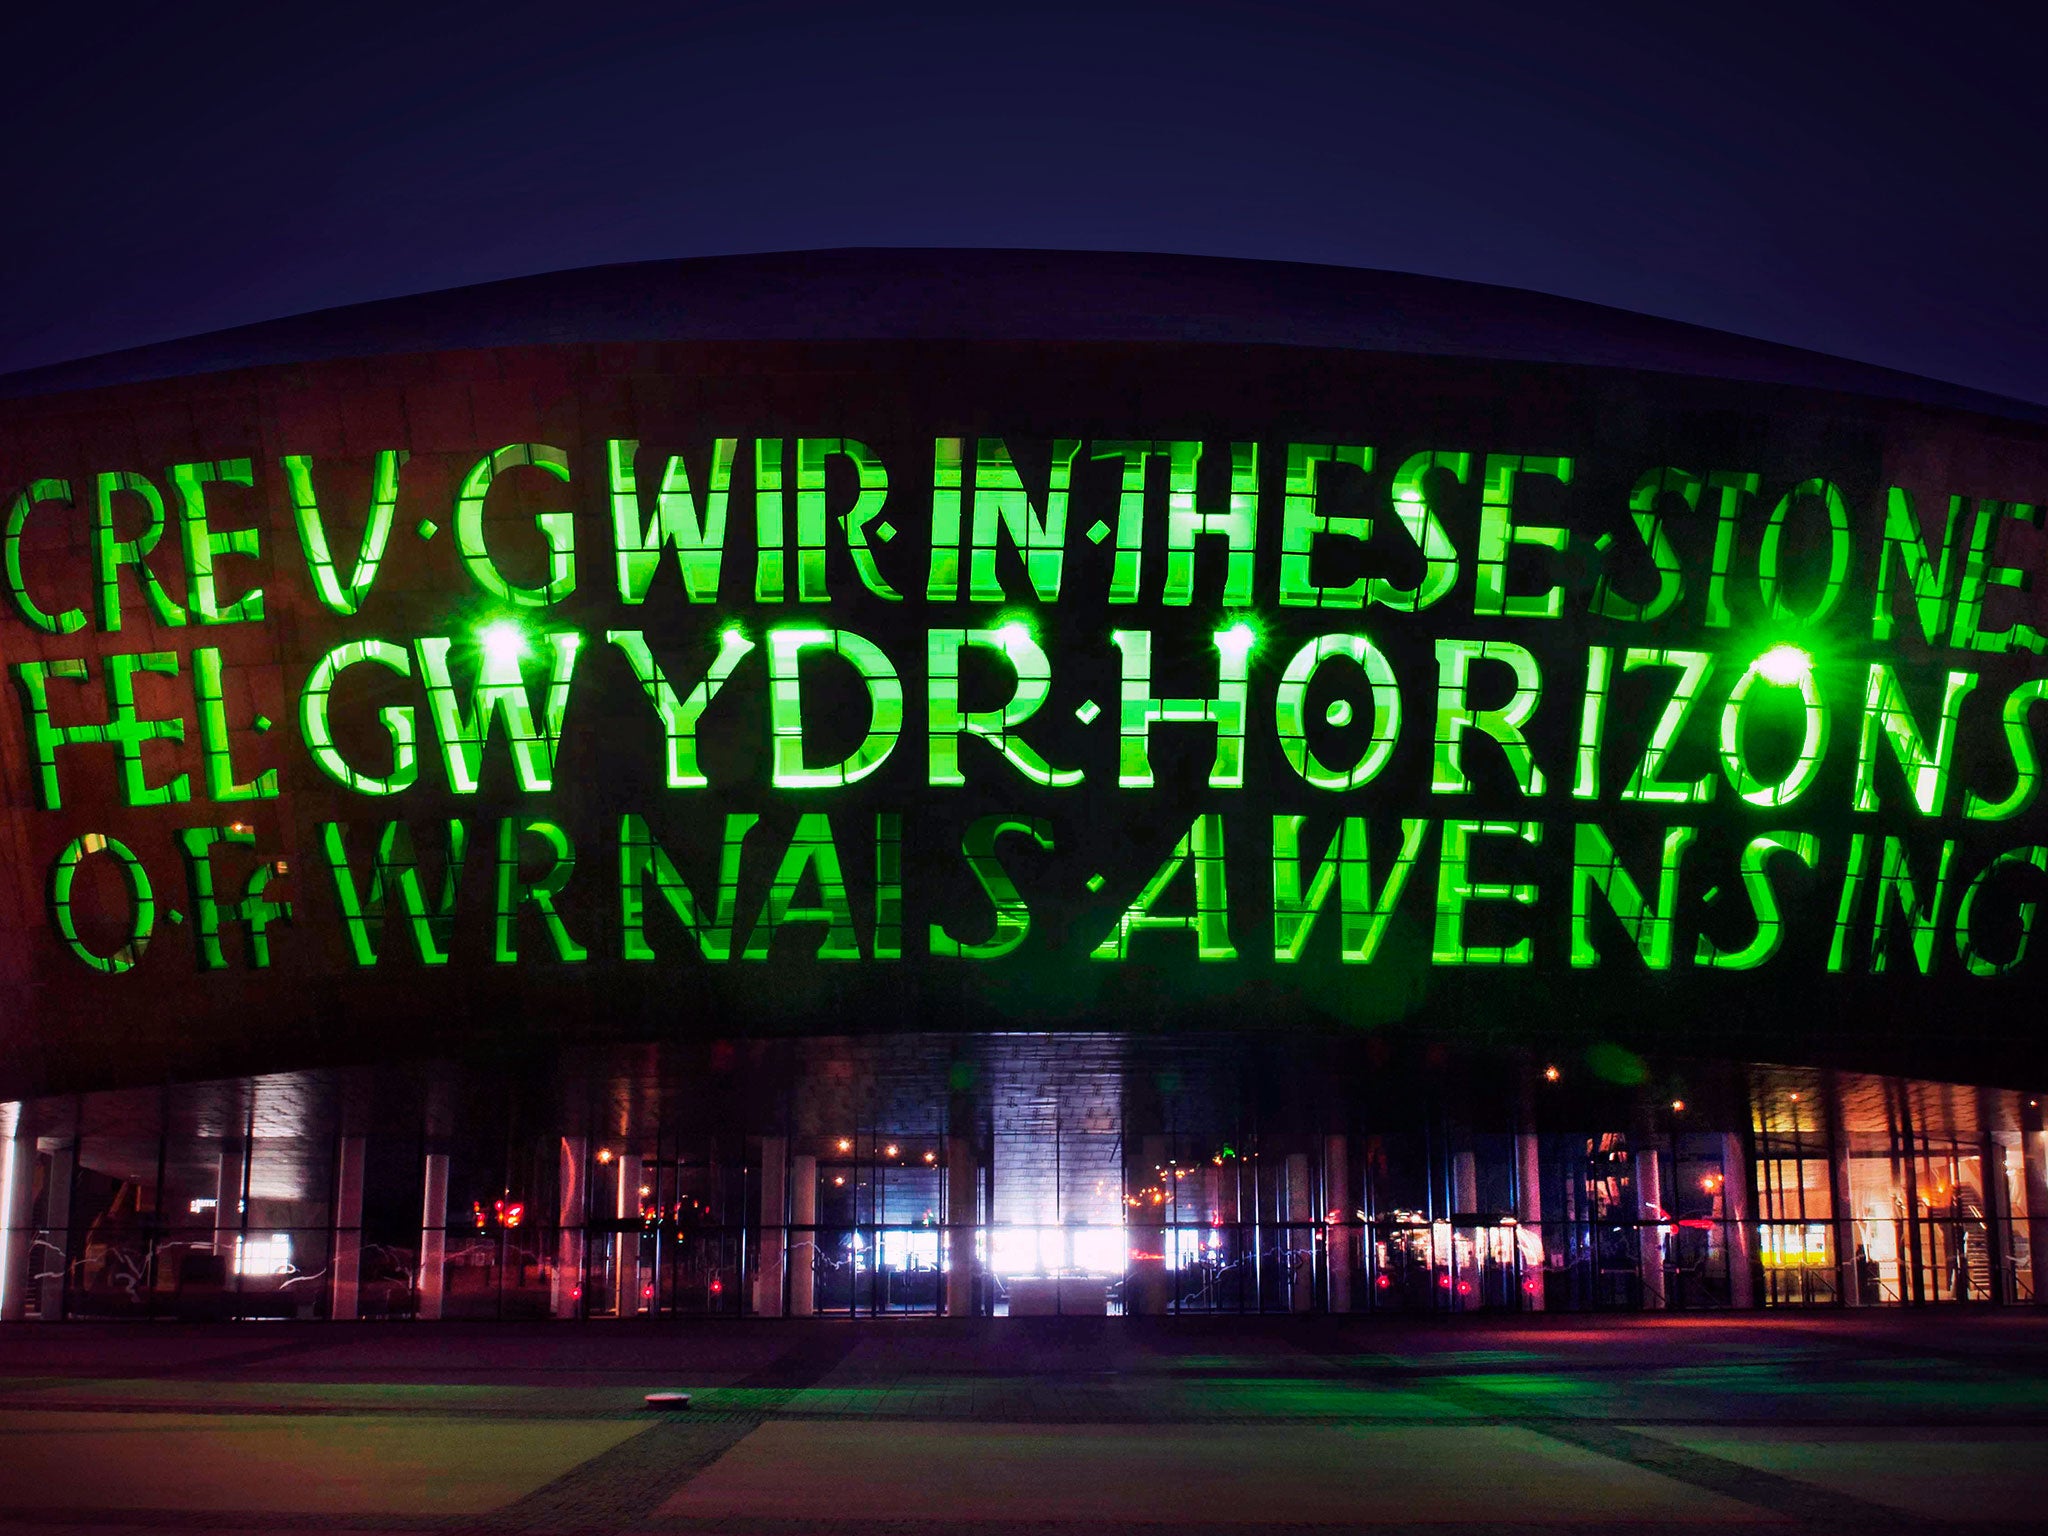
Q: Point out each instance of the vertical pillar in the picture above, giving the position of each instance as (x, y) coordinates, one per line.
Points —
(962, 1264)
(1997, 1194)
(1148, 1285)
(1849, 1272)
(1650, 1213)
(626, 1271)
(2034, 1178)
(772, 1244)
(1737, 1179)
(803, 1218)
(1529, 1241)
(344, 1299)
(17, 1194)
(1339, 1221)
(433, 1234)
(1301, 1241)
(567, 1296)
(53, 1262)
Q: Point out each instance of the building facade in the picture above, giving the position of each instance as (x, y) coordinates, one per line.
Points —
(894, 783)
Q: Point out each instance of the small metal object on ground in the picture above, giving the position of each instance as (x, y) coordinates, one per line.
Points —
(668, 1399)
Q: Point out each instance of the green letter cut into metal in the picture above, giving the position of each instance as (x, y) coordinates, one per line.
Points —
(318, 729)
(679, 716)
(1756, 883)
(395, 868)
(142, 901)
(1302, 522)
(516, 891)
(810, 849)
(1209, 922)
(203, 546)
(334, 594)
(1596, 867)
(786, 708)
(641, 858)
(1345, 865)
(1290, 711)
(71, 619)
(557, 527)
(948, 723)
(1455, 715)
(500, 691)
(699, 541)
(1012, 917)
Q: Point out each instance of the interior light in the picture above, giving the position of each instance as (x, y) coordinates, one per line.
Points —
(1678, 1106)
(1551, 1074)
(1785, 664)
(891, 1150)
(844, 1144)
(604, 1154)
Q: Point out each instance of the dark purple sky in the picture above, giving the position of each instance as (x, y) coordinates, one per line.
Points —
(1868, 179)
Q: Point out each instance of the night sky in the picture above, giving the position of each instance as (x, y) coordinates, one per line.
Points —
(1870, 180)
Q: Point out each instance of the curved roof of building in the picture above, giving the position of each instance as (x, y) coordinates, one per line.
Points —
(1009, 295)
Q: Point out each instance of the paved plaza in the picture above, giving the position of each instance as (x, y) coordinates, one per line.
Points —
(1861, 1422)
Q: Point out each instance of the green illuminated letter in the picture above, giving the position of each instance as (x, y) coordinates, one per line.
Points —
(395, 868)
(114, 553)
(699, 541)
(557, 527)
(1499, 533)
(1777, 668)
(500, 690)
(71, 619)
(1645, 512)
(1930, 585)
(203, 546)
(516, 891)
(1346, 865)
(1974, 959)
(141, 923)
(679, 716)
(1456, 889)
(2019, 742)
(1455, 714)
(1238, 523)
(1980, 575)
(1839, 552)
(1130, 514)
(1415, 512)
(1888, 717)
(873, 483)
(1763, 900)
(810, 848)
(995, 726)
(336, 595)
(1209, 922)
(1000, 500)
(1645, 784)
(1290, 711)
(786, 706)
(213, 735)
(1302, 522)
(397, 719)
(254, 911)
(641, 857)
(1013, 917)
(1140, 711)
(1596, 867)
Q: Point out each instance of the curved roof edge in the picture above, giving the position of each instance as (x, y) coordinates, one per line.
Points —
(867, 294)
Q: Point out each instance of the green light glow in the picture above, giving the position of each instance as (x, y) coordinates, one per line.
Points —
(1786, 665)
(503, 643)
